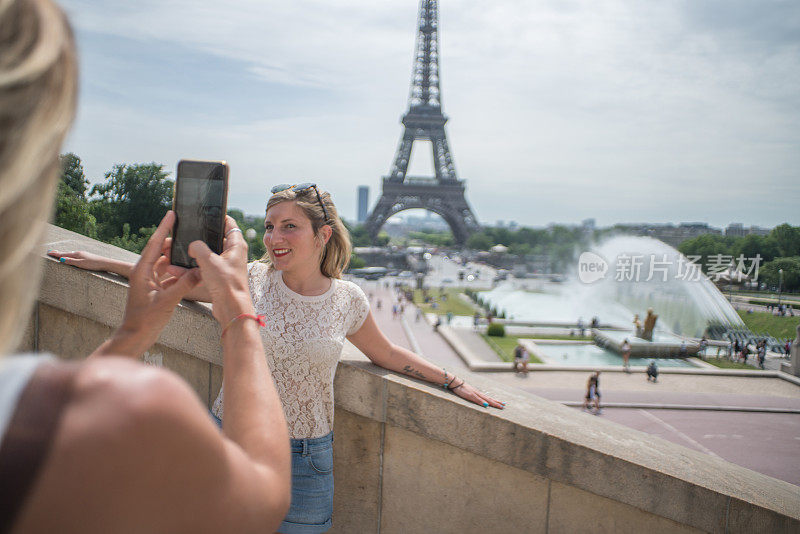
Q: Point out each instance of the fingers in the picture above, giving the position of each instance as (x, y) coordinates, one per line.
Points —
(233, 238)
(177, 287)
(152, 251)
(494, 403)
(200, 252)
(166, 248)
(67, 259)
(160, 267)
(175, 270)
(163, 268)
(473, 395)
(57, 254)
(70, 258)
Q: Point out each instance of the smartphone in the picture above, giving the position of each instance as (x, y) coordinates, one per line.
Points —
(200, 201)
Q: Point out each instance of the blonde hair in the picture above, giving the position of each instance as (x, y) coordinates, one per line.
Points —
(336, 255)
(38, 90)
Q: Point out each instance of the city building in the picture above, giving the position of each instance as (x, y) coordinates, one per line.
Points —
(669, 233)
(739, 230)
(363, 203)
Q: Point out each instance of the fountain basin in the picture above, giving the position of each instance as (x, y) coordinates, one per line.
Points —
(664, 345)
(589, 355)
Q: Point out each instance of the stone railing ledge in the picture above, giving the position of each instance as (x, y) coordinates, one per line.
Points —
(576, 449)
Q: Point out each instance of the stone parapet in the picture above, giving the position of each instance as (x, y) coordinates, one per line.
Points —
(411, 457)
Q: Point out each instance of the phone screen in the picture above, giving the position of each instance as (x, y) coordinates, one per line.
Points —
(200, 205)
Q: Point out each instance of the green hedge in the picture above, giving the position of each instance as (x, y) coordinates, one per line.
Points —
(496, 330)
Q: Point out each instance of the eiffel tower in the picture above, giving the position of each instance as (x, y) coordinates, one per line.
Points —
(443, 193)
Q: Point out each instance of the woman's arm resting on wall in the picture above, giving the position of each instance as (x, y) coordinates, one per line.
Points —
(95, 262)
(375, 346)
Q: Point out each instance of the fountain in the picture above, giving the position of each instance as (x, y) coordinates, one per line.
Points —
(663, 279)
(642, 273)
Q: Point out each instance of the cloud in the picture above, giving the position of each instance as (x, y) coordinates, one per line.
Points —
(665, 108)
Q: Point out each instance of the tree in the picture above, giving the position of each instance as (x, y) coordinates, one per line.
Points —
(356, 262)
(138, 194)
(532, 237)
(238, 216)
(433, 238)
(72, 212)
(520, 249)
(788, 239)
(358, 235)
(133, 242)
(751, 245)
(382, 240)
(479, 241)
(72, 174)
(72, 207)
(770, 273)
(707, 245)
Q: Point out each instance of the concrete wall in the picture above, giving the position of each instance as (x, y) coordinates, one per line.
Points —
(410, 457)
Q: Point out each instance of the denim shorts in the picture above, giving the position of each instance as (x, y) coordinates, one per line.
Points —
(312, 486)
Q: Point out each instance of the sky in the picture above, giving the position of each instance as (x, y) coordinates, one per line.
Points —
(559, 110)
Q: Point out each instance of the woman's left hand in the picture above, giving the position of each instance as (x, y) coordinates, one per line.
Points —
(471, 394)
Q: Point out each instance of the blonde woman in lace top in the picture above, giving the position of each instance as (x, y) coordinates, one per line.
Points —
(309, 312)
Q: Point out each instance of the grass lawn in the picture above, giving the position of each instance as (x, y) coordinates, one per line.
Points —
(504, 347)
(454, 303)
(779, 327)
(725, 363)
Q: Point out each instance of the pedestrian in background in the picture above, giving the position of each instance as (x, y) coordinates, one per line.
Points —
(626, 355)
(592, 398)
(521, 357)
(652, 372)
(762, 353)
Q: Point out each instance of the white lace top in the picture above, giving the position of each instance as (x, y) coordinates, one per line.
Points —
(303, 341)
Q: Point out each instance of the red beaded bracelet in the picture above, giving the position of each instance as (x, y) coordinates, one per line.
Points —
(260, 319)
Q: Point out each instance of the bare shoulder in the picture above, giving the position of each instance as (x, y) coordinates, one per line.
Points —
(135, 450)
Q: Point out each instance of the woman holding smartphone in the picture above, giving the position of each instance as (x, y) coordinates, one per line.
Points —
(308, 313)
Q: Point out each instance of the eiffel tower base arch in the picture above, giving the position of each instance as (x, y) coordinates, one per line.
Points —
(445, 199)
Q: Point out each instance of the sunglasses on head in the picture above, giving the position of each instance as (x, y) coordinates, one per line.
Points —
(302, 188)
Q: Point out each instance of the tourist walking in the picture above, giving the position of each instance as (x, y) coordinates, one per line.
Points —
(626, 355)
(745, 352)
(703, 346)
(652, 371)
(592, 398)
(762, 353)
(308, 313)
(521, 358)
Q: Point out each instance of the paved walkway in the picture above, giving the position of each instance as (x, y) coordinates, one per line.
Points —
(765, 442)
(478, 345)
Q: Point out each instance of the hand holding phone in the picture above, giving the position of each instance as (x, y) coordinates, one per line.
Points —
(200, 203)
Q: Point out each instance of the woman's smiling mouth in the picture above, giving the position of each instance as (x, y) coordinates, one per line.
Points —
(280, 252)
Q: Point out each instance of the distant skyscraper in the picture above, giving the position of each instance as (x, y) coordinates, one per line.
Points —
(363, 203)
